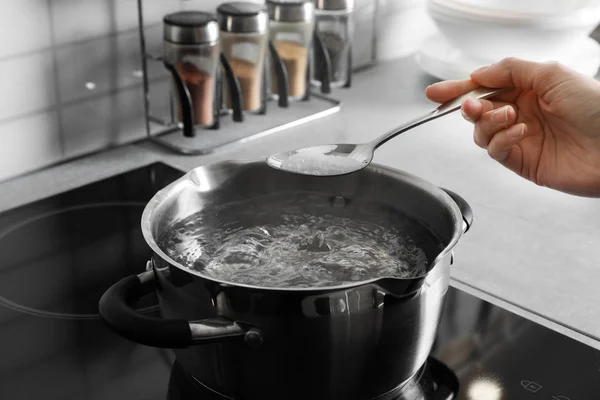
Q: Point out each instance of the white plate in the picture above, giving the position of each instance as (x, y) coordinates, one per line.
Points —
(530, 8)
(438, 58)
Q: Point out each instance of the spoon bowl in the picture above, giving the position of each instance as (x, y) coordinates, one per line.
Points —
(342, 159)
(325, 160)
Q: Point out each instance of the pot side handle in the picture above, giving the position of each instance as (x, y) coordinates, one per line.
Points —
(465, 209)
(115, 310)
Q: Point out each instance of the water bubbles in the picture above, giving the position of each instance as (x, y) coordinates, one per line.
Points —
(314, 243)
(299, 241)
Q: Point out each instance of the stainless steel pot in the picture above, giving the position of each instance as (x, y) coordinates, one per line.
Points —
(353, 341)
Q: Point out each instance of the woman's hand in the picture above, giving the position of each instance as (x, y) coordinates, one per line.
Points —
(547, 129)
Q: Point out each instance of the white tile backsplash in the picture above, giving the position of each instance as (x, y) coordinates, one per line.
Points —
(86, 69)
(126, 15)
(109, 120)
(71, 80)
(160, 96)
(364, 15)
(154, 39)
(77, 20)
(27, 84)
(207, 5)
(29, 143)
(27, 20)
(99, 66)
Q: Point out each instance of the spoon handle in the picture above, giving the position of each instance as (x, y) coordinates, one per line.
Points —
(443, 109)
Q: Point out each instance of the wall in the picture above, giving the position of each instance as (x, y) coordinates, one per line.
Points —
(70, 75)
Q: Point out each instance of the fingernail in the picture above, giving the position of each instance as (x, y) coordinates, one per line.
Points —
(464, 114)
(500, 115)
(475, 104)
(516, 131)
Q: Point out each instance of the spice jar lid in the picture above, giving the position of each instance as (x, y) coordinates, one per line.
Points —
(291, 10)
(334, 5)
(190, 27)
(242, 17)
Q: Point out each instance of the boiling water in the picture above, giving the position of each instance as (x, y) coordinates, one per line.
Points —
(300, 242)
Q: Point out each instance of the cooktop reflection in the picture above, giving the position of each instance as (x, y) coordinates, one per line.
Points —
(61, 253)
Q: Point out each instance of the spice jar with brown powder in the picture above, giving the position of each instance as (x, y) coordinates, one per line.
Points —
(291, 25)
(244, 27)
(191, 44)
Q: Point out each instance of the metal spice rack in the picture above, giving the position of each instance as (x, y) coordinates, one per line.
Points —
(168, 132)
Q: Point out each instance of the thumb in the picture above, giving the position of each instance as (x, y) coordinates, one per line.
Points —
(520, 74)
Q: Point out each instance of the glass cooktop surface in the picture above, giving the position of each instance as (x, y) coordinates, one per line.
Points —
(61, 253)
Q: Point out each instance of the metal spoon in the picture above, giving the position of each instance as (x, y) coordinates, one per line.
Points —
(341, 159)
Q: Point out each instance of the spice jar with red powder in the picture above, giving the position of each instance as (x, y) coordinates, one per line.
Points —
(191, 44)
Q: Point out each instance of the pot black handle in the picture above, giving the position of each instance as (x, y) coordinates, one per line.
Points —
(185, 101)
(115, 310)
(465, 209)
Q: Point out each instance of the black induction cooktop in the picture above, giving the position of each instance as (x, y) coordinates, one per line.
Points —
(58, 255)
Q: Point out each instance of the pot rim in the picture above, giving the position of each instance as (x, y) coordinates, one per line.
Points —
(433, 190)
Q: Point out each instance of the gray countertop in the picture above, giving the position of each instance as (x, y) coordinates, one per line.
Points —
(531, 249)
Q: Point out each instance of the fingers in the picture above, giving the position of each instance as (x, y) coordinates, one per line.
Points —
(442, 92)
(508, 73)
(496, 129)
(503, 143)
(493, 122)
(521, 74)
(473, 109)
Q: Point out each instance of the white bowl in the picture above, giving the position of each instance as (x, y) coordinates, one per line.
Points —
(439, 59)
(490, 36)
(527, 7)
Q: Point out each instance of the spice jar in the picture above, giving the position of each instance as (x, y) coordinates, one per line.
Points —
(291, 25)
(191, 45)
(244, 40)
(334, 28)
